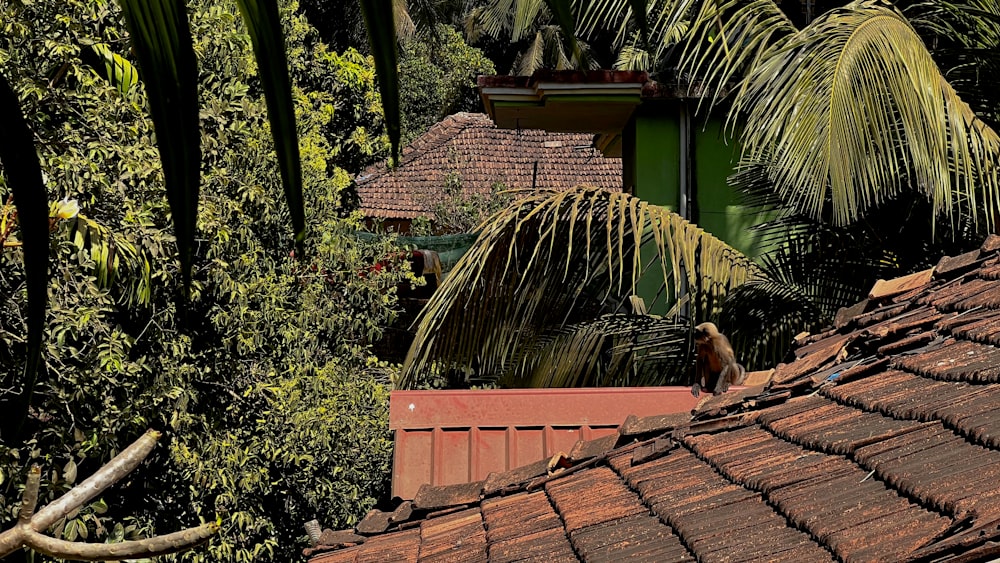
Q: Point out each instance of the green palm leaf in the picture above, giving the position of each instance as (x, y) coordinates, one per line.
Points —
(557, 259)
(633, 57)
(614, 350)
(24, 176)
(162, 40)
(852, 110)
(117, 263)
(533, 58)
(726, 40)
(378, 16)
(264, 26)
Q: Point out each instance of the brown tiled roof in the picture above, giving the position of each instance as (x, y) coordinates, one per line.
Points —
(470, 145)
(879, 442)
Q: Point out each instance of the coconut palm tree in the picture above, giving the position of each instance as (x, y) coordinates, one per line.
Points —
(851, 137)
(546, 295)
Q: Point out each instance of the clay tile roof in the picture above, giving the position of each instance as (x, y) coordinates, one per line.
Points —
(879, 442)
(470, 145)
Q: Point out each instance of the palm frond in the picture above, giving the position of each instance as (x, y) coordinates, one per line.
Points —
(496, 18)
(726, 40)
(379, 20)
(852, 110)
(555, 53)
(554, 259)
(813, 268)
(653, 26)
(633, 57)
(562, 13)
(971, 23)
(264, 27)
(965, 40)
(526, 12)
(117, 70)
(614, 350)
(24, 177)
(762, 317)
(601, 15)
(406, 29)
(532, 58)
(116, 262)
(162, 40)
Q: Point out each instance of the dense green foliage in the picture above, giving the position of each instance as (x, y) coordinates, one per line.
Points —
(273, 408)
(437, 75)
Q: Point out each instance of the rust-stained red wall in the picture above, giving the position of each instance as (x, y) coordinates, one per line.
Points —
(446, 437)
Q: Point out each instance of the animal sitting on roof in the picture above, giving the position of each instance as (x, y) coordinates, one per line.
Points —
(715, 364)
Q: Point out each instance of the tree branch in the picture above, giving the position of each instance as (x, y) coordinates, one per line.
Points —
(27, 531)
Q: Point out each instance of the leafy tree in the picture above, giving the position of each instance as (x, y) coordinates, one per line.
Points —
(437, 76)
(273, 409)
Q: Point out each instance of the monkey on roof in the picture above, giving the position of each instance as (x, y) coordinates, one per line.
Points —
(715, 364)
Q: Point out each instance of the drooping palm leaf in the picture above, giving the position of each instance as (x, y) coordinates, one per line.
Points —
(549, 24)
(264, 27)
(640, 7)
(562, 12)
(647, 25)
(533, 58)
(24, 176)
(526, 12)
(852, 110)
(808, 279)
(726, 39)
(813, 268)
(965, 41)
(605, 14)
(162, 40)
(633, 57)
(614, 350)
(378, 16)
(492, 19)
(555, 259)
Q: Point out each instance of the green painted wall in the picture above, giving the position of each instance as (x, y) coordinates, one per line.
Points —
(657, 153)
(652, 165)
(651, 144)
(719, 208)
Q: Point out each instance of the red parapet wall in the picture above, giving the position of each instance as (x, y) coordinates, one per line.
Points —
(447, 437)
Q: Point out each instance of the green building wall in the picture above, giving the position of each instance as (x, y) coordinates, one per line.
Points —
(656, 167)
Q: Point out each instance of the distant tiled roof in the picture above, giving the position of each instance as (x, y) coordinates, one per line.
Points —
(470, 145)
(879, 442)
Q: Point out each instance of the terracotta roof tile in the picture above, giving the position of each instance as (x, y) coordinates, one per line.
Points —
(879, 442)
(470, 145)
(443, 496)
(635, 426)
(524, 526)
(951, 264)
(891, 288)
(458, 537)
